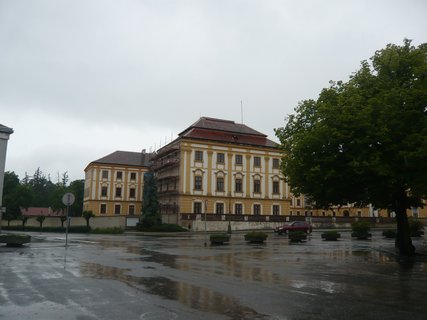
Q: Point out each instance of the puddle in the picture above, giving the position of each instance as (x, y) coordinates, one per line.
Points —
(195, 297)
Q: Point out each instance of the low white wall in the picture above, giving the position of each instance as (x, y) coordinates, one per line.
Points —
(96, 222)
(223, 225)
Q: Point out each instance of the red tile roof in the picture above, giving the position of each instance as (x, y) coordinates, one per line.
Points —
(226, 131)
(39, 211)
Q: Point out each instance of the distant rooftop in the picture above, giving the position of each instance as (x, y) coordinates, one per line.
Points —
(223, 125)
(226, 131)
(126, 158)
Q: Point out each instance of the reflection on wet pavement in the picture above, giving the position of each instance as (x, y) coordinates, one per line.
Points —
(195, 297)
(176, 277)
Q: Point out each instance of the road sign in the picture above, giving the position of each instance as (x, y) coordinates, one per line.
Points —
(68, 199)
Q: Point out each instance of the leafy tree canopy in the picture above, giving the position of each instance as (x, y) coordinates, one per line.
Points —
(39, 191)
(365, 140)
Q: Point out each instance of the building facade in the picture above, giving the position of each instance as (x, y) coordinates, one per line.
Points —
(220, 170)
(217, 171)
(114, 183)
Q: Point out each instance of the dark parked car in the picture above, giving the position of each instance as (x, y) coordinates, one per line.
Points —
(294, 226)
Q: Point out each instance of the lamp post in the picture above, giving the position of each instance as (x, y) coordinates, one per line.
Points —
(5, 132)
(206, 229)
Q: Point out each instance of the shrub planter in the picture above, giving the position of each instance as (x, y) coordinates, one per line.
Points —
(360, 230)
(361, 235)
(256, 237)
(219, 238)
(390, 233)
(14, 240)
(297, 236)
(331, 235)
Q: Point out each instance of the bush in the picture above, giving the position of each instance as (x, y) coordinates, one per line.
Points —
(360, 230)
(297, 236)
(165, 227)
(71, 229)
(331, 235)
(151, 221)
(112, 230)
(219, 238)
(390, 233)
(14, 239)
(256, 237)
(361, 226)
(416, 227)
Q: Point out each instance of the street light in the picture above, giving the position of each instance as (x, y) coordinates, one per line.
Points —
(206, 230)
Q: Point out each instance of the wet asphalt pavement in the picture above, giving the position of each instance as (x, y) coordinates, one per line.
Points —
(176, 277)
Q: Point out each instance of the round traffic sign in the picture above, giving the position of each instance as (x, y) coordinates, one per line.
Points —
(68, 199)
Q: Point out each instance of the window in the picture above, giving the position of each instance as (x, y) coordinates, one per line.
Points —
(104, 174)
(198, 183)
(238, 208)
(239, 159)
(219, 208)
(199, 156)
(117, 208)
(131, 210)
(197, 206)
(238, 185)
(276, 163)
(219, 184)
(133, 176)
(276, 188)
(132, 192)
(257, 161)
(257, 186)
(103, 208)
(104, 191)
(119, 175)
(118, 192)
(257, 209)
(298, 202)
(276, 210)
(220, 157)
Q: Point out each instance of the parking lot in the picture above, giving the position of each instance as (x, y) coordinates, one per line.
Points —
(135, 276)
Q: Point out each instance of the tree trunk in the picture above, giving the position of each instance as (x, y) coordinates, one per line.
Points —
(403, 238)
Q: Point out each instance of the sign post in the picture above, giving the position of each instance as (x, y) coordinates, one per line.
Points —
(68, 199)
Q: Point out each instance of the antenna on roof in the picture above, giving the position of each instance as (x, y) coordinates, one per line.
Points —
(241, 110)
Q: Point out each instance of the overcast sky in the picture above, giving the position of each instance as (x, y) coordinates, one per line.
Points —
(81, 79)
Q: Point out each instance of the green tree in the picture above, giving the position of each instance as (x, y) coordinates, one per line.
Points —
(150, 204)
(16, 195)
(10, 192)
(365, 140)
(55, 199)
(88, 214)
(40, 220)
(24, 220)
(77, 188)
(63, 219)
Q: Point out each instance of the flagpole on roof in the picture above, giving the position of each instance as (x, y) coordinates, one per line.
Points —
(241, 110)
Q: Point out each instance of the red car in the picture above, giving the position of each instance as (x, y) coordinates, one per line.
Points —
(294, 226)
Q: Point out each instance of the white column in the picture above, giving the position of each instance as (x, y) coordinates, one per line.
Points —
(5, 132)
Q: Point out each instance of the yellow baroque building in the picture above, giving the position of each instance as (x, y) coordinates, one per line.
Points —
(217, 171)
(220, 170)
(114, 183)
